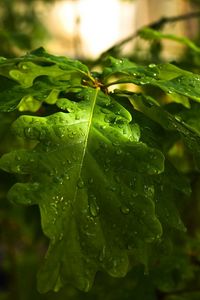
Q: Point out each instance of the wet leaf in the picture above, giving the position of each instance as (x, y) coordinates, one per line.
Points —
(175, 82)
(97, 165)
(151, 34)
(37, 77)
(90, 177)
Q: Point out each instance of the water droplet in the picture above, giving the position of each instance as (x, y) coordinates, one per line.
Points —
(18, 168)
(86, 285)
(77, 117)
(61, 133)
(94, 208)
(125, 210)
(152, 66)
(58, 179)
(67, 177)
(102, 254)
(72, 134)
(119, 151)
(18, 158)
(27, 131)
(115, 144)
(90, 180)
(105, 111)
(107, 119)
(149, 191)
(24, 67)
(143, 82)
(178, 118)
(132, 183)
(112, 188)
(80, 183)
(61, 237)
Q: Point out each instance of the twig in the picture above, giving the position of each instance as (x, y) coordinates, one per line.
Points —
(155, 25)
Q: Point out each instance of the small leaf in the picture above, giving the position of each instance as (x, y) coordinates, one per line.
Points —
(175, 82)
(170, 123)
(36, 78)
(151, 34)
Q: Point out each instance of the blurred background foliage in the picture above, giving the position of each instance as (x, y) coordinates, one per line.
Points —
(20, 27)
(22, 244)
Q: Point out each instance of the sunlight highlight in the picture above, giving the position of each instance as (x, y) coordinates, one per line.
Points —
(86, 28)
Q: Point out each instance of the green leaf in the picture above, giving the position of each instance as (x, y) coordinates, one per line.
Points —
(151, 34)
(170, 123)
(38, 77)
(170, 185)
(175, 82)
(93, 181)
(191, 117)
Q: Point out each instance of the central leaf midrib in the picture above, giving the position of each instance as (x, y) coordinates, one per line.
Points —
(86, 141)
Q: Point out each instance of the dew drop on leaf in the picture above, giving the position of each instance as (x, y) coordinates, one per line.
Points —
(178, 118)
(24, 66)
(107, 119)
(102, 254)
(90, 180)
(125, 210)
(94, 208)
(67, 177)
(72, 134)
(149, 191)
(151, 66)
(18, 168)
(61, 237)
(58, 179)
(18, 158)
(80, 183)
(112, 188)
(119, 151)
(27, 131)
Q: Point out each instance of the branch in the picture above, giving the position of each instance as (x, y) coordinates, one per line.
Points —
(155, 25)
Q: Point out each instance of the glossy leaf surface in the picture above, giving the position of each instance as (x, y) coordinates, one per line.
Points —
(169, 78)
(97, 164)
(37, 77)
(90, 176)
